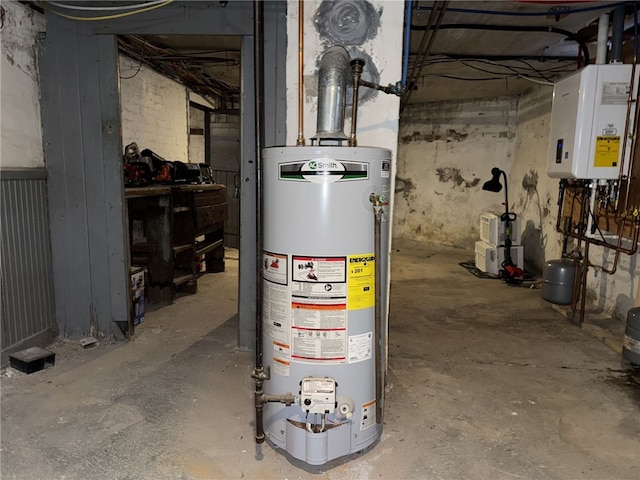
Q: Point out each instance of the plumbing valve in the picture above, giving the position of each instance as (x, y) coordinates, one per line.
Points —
(379, 200)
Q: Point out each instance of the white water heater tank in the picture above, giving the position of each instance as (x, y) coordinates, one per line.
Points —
(319, 324)
(588, 120)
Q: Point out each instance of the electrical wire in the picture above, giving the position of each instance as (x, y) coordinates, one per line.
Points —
(105, 9)
(513, 71)
(569, 11)
(139, 64)
(106, 17)
(558, 69)
(514, 28)
(453, 77)
(539, 82)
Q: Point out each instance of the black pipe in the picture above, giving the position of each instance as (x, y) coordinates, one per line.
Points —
(617, 34)
(258, 62)
(583, 283)
(514, 28)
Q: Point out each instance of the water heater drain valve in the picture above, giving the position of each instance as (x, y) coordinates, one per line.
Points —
(318, 395)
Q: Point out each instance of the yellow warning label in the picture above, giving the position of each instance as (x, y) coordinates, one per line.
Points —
(607, 151)
(361, 281)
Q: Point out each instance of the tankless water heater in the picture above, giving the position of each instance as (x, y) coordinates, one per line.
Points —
(589, 123)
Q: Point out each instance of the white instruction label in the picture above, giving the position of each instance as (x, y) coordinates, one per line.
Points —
(615, 93)
(368, 418)
(281, 359)
(275, 311)
(360, 347)
(274, 267)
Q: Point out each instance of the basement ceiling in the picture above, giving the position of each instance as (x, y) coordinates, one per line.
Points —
(208, 64)
(470, 56)
(459, 50)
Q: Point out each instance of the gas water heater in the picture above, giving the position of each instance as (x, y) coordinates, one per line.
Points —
(324, 261)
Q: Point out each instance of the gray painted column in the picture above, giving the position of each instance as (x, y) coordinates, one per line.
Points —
(247, 302)
(81, 129)
(83, 148)
(275, 104)
(275, 73)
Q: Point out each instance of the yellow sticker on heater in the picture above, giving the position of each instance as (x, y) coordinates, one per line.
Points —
(361, 281)
(607, 151)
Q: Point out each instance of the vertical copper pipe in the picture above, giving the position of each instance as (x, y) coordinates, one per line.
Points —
(300, 140)
(634, 142)
(357, 64)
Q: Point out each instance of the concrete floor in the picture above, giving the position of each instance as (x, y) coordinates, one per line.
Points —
(487, 381)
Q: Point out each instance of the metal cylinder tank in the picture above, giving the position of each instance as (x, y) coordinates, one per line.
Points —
(320, 337)
(631, 342)
(558, 278)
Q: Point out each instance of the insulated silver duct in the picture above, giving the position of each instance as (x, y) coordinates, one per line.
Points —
(333, 77)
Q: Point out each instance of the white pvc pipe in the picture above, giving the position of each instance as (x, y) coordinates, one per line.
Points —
(603, 39)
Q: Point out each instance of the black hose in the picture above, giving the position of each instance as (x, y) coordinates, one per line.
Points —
(514, 28)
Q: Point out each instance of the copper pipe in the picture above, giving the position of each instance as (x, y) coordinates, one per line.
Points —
(634, 145)
(300, 141)
(626, 127)
(357, 65)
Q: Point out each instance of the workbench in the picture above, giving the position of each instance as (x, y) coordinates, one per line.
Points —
(177, 233)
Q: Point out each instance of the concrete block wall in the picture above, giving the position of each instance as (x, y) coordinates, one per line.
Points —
(374, 33)
(445, 154)
(21, 144)
(155, 111)
(27, 309)
(534, 195)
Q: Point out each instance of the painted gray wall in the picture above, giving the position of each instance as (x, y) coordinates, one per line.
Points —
(83, 148)
(26, 282)
(81, 131)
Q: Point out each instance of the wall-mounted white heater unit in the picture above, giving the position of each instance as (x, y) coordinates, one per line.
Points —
(588, 119)
(492, 229)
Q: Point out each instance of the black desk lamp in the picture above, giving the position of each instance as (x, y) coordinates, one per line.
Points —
(510, 272)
